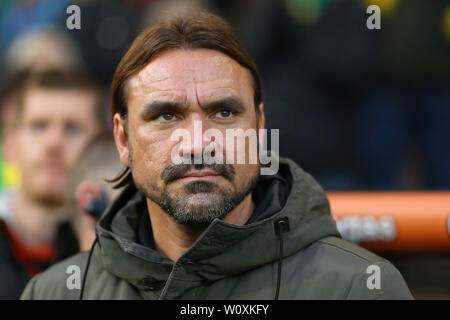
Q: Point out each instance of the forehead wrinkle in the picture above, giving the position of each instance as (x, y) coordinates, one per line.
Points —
(222, 67)
(158, 77)
(134, 88)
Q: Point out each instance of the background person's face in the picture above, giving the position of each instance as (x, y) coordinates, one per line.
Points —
(54, 127)
(176, 89)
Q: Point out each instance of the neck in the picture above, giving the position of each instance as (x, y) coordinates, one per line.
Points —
(33, 222)
(172, 240)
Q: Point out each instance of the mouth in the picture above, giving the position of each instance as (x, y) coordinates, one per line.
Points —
(200, 175)
(52, 168)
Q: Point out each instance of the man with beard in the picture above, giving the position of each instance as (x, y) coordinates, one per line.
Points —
(58, 112)
(200, 229)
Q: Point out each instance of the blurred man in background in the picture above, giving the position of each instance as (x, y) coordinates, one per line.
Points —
(59, 111)
(88, 192)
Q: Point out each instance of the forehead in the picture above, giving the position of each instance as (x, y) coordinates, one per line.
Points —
(174, 72)
(67, 103)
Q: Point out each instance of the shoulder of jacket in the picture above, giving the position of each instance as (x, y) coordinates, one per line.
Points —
(352, 267)
(352, 250)
(367, 266)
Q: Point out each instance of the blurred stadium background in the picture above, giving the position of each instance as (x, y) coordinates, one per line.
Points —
(361, 110)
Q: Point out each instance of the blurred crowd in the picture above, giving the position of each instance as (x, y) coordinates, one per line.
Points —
(357, 108)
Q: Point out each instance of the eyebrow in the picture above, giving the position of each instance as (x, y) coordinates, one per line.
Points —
(231, 102)
(158, 107)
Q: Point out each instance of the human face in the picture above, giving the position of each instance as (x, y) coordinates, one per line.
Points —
(54, 126)
(174, 91)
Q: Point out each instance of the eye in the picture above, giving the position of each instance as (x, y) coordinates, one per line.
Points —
(73, 128)
(166, 117)
(224, 114)
(38, 125)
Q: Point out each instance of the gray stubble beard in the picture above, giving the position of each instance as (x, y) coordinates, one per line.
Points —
(194, 218)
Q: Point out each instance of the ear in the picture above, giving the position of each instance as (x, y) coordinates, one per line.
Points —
(121, 138)
(261, 123)
(85, 192)
(261, 117)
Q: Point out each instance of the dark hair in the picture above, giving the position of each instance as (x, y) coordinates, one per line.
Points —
(201, 30)
(65, 80)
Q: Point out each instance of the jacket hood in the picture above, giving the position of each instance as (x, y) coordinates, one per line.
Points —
(222, 250)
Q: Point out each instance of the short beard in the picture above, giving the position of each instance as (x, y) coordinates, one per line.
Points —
(194, 218)
(197, 217)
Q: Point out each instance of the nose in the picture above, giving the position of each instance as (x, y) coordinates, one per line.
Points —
(194, 144)
(54, 138)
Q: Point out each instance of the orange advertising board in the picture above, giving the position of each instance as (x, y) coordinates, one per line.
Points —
(394, 222)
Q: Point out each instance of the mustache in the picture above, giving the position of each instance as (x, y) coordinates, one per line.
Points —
(177, 171)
